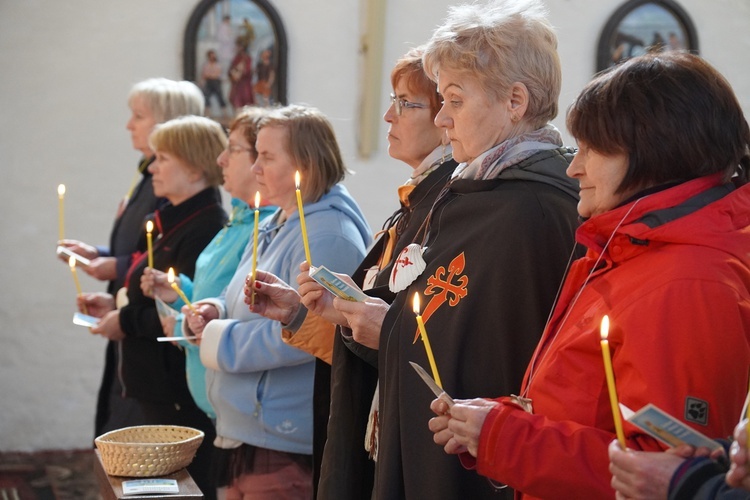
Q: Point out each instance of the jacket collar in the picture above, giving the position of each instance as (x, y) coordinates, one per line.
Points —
(635, 223)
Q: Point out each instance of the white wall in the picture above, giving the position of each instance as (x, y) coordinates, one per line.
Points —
(66, 69)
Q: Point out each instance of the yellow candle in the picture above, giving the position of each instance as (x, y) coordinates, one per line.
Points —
(170, 278)
(61, 209)
(604, 331)
(149, 243)
(72, 264)
(302, 220)
(255, 243)
(426, 341)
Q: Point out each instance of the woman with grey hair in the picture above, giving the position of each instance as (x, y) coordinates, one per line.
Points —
(151, 102)
(493, 250)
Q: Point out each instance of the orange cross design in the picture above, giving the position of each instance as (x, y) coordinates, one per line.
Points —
(452, 288)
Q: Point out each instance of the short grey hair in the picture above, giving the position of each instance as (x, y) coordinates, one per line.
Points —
(168, 99)
(498, 44)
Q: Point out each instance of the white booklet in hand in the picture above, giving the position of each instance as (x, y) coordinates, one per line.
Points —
(336, 285)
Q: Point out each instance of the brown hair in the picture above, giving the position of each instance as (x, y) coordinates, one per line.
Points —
(409, 69)
(247, 121)
(312, 146)
(672, 113)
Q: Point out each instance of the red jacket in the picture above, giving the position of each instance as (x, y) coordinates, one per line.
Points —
(675, 282)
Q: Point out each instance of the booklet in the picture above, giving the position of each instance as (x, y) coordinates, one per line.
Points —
(164, 310)
(667, 429)
(155, 485)
(70, 253)
(85, 320)
(336, 285)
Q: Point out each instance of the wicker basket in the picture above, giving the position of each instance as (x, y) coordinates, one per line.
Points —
(148, 450)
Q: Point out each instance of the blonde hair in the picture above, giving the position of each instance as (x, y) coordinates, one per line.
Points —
(312, 145)
(167, 99)
(195, 140)
(498, 44)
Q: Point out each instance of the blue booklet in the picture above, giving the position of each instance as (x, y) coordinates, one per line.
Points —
(667, 429)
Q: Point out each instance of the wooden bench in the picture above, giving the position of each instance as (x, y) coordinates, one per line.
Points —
(111, 486)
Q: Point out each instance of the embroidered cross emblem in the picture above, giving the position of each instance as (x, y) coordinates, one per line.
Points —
(451, 288)
(400, 262)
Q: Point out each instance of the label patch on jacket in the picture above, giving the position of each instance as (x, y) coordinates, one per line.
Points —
(696, 411)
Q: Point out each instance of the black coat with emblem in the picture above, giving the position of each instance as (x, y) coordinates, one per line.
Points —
(496, 254)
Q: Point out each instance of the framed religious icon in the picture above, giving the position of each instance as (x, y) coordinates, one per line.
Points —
(236, 52)
(641, 26)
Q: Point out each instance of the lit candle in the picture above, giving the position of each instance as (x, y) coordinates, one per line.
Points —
(302, 220)
(170, 278)
(255, 243)
(72, 264)
(604, 332)
(61, 209)
(149, 243)
(426, 341)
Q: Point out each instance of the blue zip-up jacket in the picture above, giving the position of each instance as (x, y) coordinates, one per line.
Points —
(261, 388)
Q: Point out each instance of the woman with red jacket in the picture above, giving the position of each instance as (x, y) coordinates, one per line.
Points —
(662, 168)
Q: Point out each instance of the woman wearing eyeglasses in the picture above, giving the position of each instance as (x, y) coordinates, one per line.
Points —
(413, 138)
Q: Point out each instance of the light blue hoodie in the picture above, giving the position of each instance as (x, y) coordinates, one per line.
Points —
(261, 388)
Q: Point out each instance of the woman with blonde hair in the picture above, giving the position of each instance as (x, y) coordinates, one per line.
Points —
(151, 102)
(184, 173)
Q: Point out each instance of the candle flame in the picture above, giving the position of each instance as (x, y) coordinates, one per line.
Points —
(415, 303)
(61, 190)
(72, 262)
(257, 199)
(604, 328)
(170, 275)
(296, 179)
(149, 226)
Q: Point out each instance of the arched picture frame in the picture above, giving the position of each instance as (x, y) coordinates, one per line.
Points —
(236, 51)
(640, 26)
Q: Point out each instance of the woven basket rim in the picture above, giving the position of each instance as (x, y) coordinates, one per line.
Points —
(106, 438)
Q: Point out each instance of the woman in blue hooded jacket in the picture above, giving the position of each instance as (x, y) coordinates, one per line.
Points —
(260, 387)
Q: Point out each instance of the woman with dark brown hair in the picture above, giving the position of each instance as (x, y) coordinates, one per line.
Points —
(662, 168)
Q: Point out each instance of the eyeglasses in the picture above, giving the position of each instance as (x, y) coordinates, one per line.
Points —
(400, 104)
(233, 149)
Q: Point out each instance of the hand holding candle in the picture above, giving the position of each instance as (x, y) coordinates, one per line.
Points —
(302, 220)
(61, 209)
(255, 243)
(426, 341)
(170, 278)
(149, 243)
(604, 331)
